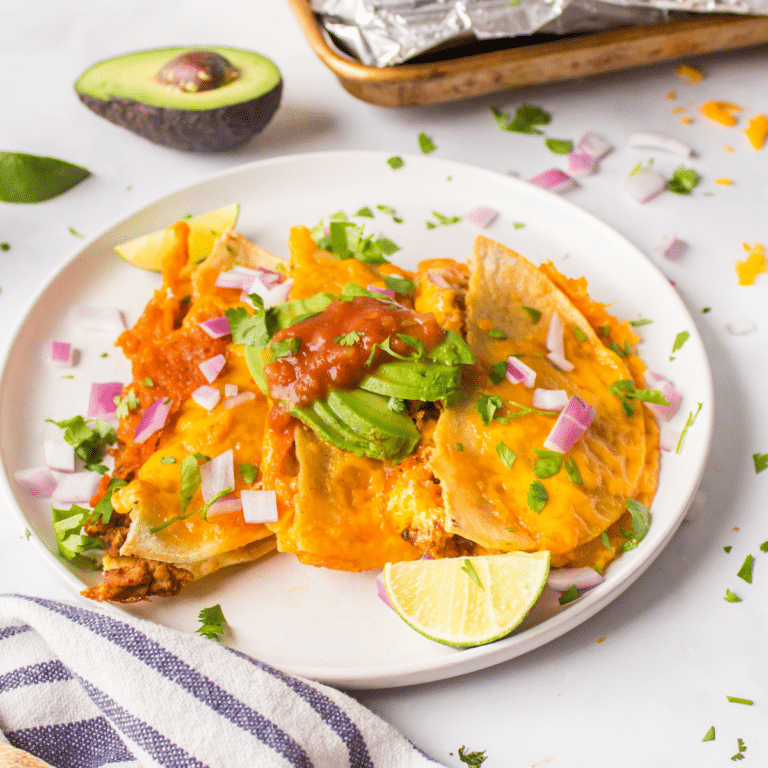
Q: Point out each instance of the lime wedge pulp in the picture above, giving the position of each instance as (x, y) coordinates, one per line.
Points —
(467, 601)
(146, 251)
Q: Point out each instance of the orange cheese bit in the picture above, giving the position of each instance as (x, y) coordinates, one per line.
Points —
(671, 96)
(485, 325)
(723, 182)
(600, 639)
(728, 148)
(753, 265)
(678, 111)
(691, 74)
(720, 111)
(686, 120)
(757, 131)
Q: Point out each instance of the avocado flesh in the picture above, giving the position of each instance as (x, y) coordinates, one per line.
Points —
(413, 380)
(369, 414)
(125, 90)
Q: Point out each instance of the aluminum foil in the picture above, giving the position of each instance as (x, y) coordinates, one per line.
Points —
(385, 32)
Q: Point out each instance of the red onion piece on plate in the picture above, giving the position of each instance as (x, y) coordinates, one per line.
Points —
(560, 361)
(571, 424)
(555, 335)
(259, 506)
(77, 488)
(645, 184)
(663, 412)
(742, 325)
(153, 420)
(481, 216)
(549, 399)
(388, 292)
(211, 367)
(381, 590)
(233, 279)
(519, 373)
(580, 164)
(554, 180)
(651, 140)
(58, 454)
(216, 327)
(101, 401)
(562, 579)
(238, 399)
(206, 397)
(670, 247)
(101, 319)
(224, 506)
(217, 475)
(594, 145)
(59, 354)
(668, 438)
(39, 481)
(230, 390)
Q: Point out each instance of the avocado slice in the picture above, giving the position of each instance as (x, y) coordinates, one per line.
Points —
(413, 380)
(198, 100)
(330, 429)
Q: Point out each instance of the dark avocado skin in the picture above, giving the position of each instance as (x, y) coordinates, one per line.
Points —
(213, 130)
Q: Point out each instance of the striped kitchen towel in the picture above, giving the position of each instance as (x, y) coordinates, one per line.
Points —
(81, 689)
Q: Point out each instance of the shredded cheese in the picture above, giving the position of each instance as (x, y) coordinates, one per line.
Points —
(753, 265)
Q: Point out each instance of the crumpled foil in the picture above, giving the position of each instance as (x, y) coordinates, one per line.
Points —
(385, 32)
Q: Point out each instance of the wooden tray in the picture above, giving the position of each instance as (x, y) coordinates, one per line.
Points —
(431, 82)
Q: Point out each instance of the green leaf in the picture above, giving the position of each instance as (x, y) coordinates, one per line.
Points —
(189, 481)
(569, 595)
(506, 455)
(559, 146)
(446, 220)
(400, 285)
(32, 179)
(452, 350)
(498, 333)
(683, 180)
(396, 404)
(526, 117)
(761, 462)
(126, 404)
(578, 333)
(730, 597)
(348, 339)
(249, 329)
(486, 406)
(426, 145)
(680, 339)
(90, 443)
(710, 734)
(745, 572)
(5, 246)
(641, 522)
(727, 549)
(167, 460)
(537, 496)
(498, 371)
(103, 510)
(764, 546)
(472, 758)
(285, 347)
(533, 313)
(569, 465)
(70, 541)
(395, 162)
(640, 321)
(518, 224)
(742, 749)
(458, 447)
(212, 622)
(469, 569)
(365, 212)
(737, 700)
(548, 464)
(606, 542)
(688, 424)
(248, 472)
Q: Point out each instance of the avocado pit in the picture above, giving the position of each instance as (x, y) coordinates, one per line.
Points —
(199, 70)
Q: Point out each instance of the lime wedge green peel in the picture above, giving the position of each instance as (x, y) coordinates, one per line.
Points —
(440, 600)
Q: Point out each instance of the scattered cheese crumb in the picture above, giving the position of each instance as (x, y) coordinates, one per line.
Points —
(757, 131)
(671, 96)
(723, 182)
(678, 111)
(600, 639)
(753, 265)
(691, 74)
(720, 111)
(686, 120)
(728, 148)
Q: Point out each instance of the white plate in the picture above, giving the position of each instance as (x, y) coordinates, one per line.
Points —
(317, 623)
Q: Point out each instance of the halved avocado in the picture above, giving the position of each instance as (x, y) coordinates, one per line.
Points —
(210, 99)
(413, 380)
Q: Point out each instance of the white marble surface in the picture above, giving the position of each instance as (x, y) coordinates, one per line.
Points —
(640, 683)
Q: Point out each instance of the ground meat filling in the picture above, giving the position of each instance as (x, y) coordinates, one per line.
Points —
(138, 581)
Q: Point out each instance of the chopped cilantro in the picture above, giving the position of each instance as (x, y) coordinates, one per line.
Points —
(396, 404)
(578, 333)
(285, 348)
(498, 371)
(525, 119)
(745, 572)
(469, 569)
(458, 447)
(624, 351)
(761, 462)
(395, 162)
(103, 510)
(640, 321)
(70, 541)
(625, 390)
(417, 344)
(74, 232)
(348, 339)
(518, 224)
(347, 241)
(190, 481)
(688, 424)
(167, 460)
(533, 313)
(548, 463)
(683, 181)
(704, 310)
(386, 246)
(710, 734)
(506, 455)
(569, 465)
(488, 405)
(559, 146)
(742, 749)
(365, 212)
(387, 209)
(727, 549)
(147, 382)
(737, 700)
(605, 330)
(680, 339)
(446, 220)
(5, 246)
(90, 443)
(569, 595)
(248, 472)
(426, 145)
(537, 496)
(764, 546)
(472, 758)
(606, 542)
(498, 333)
(730, 597)
(400, 285)
(212, 623)
(641, 520)
(126, 404)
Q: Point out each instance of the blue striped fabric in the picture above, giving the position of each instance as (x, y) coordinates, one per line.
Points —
(81, 689)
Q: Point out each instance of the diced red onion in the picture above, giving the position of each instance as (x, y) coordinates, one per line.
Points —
(237, 280)
(554, 180)
(206, 397)
(217, 475)
(437, 279)
(239, 399)
(101, 401)
(388, 292)
(58, 454)
(481, 216)
(211, 367)
(555, 334)
(560, 361)
(549, 399)
(230, 390)
(519, 373)
(259, 506)
(269, 277)
(101, 319)
(76, 488)
(381, 591)
(39, 481)
(153, 420)
(562, 579)
(60, 354)
(670, 247)
(651, 140)
(580, 164)
(668, 438)
(663, 412)
(277, 294)
(742, 325)
(224, 506)
(571, 424)
(645, 184)
(216, 327)
(594, 145)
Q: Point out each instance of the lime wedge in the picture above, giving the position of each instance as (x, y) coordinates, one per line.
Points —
(466, 601)
(146, 251)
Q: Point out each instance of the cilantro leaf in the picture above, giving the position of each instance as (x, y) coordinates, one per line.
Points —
(533, 313)
(710, 734)
(569, 595)
(103, 509)
(190, 481)
(400, 285)
(395, 162)
(641, 321)
(569, 465)
(764, 546)
(212, 623)
(472, 758)
(129, 402)
(498, 371)
(70, 541)
(446, 220)
(737, 700)
(548, 463)
(526, 117)
(745, 572)
(506, 454)
(578, 333)
(730, 597)
(742, 749)
(348, 339)
(249, 329)
(559, 146)
(688, 424)
(248, 472)
(498, 333)
(537, 496)
(606, 542)
(680, 339)
(365, 212)
(761, 462)
(641, 521)
(683, 181)
(426, 145)
(486, 406)
(469, 569)
(90, 443)
(285, 347)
